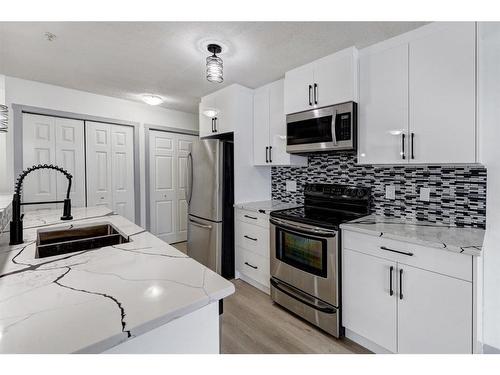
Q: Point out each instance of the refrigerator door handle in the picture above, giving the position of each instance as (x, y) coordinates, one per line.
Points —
(198, 224)
(189, 184)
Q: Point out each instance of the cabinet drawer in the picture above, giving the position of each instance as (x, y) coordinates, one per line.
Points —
(252, 237)
(428, 258)
(252, 265)
(253, 217)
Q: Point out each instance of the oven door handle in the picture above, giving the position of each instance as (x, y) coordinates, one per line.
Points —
(300, 229)
(320, 306)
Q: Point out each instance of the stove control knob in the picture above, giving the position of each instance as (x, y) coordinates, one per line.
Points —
(361, 193)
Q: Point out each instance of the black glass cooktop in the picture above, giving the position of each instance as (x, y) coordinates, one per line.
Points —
(330, 219)
(329, 205)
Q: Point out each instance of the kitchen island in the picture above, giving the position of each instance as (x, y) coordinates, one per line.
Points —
(142, 296)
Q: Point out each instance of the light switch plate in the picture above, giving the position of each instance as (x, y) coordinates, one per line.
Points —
(291, 185)
(390, 192)
(425, 194)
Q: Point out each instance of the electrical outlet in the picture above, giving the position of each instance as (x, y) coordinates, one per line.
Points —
(425, 194)
(390, 192)
(291, 185)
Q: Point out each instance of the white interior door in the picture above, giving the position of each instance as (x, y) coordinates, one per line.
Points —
(122, 161)
(70, 155)
(39, 147)
(434, 313)
(183, 146)
(168, 168)
(163, 196)
(99, 165)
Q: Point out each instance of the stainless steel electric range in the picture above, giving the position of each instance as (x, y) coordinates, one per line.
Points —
(305, 252)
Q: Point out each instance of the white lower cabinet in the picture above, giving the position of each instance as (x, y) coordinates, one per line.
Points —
(251, 230)
(403, 308)
(434, 313)
(368, 307)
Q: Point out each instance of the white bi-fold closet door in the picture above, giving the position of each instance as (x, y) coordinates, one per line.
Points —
(110, 167)
(57, 141)
(168, 168)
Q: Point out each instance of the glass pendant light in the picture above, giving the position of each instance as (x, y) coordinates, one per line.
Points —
(214, 64)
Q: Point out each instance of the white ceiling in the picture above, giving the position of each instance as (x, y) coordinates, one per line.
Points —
(127, 59)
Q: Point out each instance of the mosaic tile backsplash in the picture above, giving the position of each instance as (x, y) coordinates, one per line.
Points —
(458, 193)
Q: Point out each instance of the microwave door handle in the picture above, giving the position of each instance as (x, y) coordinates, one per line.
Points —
(334, 120)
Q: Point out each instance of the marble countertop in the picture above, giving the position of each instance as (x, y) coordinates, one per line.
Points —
(90, 301)
(266, 206)
(461, 240)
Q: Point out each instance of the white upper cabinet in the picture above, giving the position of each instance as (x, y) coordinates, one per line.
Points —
(269, 128)
(261, 126)
(225, 104)
(336, 78)
(206, 106)
(383, 109)
(442, 95)
(299, 89)
(327, 81)
(417, 97)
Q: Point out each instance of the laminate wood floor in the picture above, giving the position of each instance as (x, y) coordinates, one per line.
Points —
(253, 324)
(182, 246)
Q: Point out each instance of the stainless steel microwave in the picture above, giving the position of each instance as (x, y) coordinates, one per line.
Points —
(323, 129)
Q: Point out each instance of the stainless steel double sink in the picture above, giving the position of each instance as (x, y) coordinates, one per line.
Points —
(58, 241)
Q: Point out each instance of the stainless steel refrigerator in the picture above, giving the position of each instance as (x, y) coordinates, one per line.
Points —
(210, 197)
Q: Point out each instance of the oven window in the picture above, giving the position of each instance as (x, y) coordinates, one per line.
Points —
(306, 253)
(309, 131)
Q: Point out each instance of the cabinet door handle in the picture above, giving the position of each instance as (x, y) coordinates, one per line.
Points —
(396, 251)
(315, 93)
(270, 154)
(215, 124)
(267, 158)
(391, 291)
(412, 152)
(403, 137)
(249, 265)
(310, 94)
(250, 238)
(401, 283)
(213, 129)
(250, 217)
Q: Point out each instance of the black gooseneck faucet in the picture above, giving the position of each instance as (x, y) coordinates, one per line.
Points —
(16, 224)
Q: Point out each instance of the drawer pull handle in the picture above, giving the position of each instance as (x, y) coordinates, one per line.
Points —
(250, 217)
(401, 283)
(250, 238)
(396, 251)
(391, 292)
(249, 265)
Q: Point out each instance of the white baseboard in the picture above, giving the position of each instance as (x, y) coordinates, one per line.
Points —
(254, 283)
(368, 344)
(488, 349)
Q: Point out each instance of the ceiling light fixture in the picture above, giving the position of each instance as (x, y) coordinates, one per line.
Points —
(152, 99)
(50, 36)
(214, 64)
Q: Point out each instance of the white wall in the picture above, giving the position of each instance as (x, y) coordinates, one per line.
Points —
(20, 91)
(3, 138)
(489, 137)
